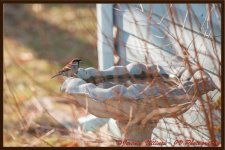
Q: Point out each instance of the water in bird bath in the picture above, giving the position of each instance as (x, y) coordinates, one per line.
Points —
(134, 73)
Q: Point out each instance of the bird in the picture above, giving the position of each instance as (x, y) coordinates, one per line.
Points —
(70, 69)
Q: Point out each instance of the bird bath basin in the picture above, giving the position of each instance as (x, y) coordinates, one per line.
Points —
(137, 95)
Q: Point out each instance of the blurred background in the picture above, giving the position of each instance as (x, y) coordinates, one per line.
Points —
(39, 39)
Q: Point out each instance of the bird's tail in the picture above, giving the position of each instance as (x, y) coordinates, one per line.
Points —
(55, 75)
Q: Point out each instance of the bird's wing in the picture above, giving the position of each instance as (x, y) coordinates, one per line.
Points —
(66, 68)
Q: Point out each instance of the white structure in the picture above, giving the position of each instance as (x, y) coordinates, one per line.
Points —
(158, 34)
(105, 35)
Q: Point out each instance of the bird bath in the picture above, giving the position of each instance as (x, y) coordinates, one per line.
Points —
(137, 95)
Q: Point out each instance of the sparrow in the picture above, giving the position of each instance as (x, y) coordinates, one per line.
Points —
(70, 69)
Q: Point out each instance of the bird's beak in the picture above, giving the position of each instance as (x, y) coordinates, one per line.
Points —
(55, 75)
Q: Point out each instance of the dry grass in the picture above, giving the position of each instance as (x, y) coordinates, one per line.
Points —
(38, 40)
